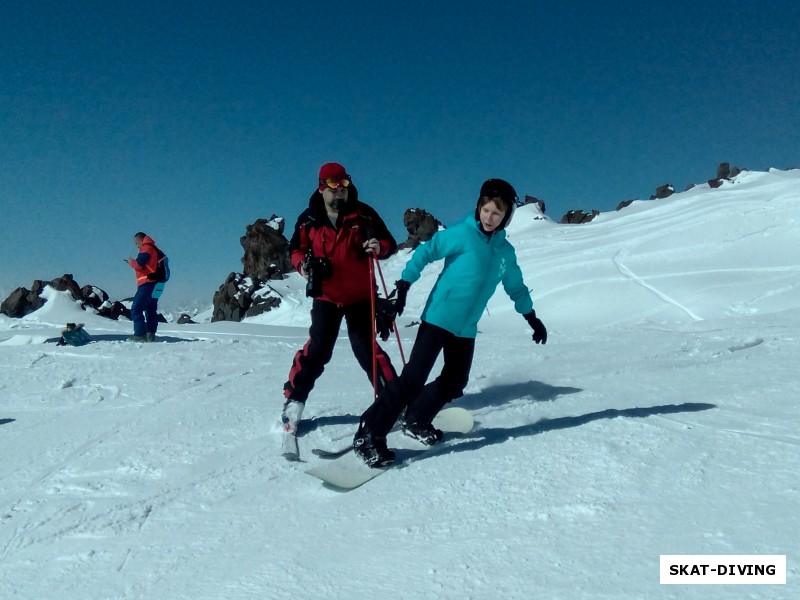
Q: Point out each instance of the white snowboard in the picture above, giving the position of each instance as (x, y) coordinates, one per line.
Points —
(348, 471)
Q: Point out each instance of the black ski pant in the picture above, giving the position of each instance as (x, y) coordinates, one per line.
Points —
(423, 401)
(326, 319)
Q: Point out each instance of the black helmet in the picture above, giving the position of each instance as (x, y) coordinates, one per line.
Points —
(498, 188)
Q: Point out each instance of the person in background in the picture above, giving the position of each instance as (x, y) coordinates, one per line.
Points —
(144, 310)
(333, 241)
(477, 257)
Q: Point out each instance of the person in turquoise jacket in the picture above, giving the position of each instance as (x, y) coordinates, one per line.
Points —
(477, 258)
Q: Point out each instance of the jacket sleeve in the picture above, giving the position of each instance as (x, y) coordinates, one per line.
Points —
(142, 259)
(377, 229)
(515, 286)
(300, 243)
(442, 244)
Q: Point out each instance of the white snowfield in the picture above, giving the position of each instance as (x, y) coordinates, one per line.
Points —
(661, 418)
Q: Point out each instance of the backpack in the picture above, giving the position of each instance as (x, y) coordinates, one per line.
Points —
(74, 335)
(162, 273)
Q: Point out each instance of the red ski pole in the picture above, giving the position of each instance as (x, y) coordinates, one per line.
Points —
(374, 339)
(394, 324)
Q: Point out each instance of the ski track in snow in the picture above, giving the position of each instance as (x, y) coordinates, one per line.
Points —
(65, 477)
(639, 281)
(100, 512)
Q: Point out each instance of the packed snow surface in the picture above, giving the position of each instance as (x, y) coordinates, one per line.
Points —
(660, 418)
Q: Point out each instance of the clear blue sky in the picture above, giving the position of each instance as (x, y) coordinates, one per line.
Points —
(191, 120)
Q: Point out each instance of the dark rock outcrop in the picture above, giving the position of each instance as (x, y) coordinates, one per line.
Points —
(66, 283)
(578, 216)
(266, 250)
(534, 200)
(266, 257)
(241, 296)
(93, 297)
(663, 191)
(23, 301)
(420, 225)
(624, 204)
(116, 309)
(724, 173)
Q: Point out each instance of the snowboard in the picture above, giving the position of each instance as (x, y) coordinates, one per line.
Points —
(344, 471)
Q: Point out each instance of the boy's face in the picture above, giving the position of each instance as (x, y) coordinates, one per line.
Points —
(491, 216)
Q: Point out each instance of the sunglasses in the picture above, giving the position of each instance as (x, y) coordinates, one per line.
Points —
(334, 183)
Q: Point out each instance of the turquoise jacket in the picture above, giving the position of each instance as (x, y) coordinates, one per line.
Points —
(474, 264)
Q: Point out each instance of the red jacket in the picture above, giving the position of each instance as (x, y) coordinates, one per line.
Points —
(146, 262)
(349, 281)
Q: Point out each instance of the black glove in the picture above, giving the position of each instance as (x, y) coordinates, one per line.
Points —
(401, 288)
(539, 330)
(385, 314)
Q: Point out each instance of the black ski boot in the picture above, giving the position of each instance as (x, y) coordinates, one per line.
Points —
(372, 449)
(424, 432)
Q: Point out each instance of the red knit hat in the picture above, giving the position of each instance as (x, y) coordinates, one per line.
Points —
(332, 171)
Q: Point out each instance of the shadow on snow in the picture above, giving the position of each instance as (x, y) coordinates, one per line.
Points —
(307, 426)
(498, 435)
(497, 395)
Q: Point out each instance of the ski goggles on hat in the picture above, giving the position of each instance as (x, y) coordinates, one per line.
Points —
(333, 183)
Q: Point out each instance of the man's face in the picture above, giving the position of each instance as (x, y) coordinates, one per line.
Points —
(334, 198)
(137, 242)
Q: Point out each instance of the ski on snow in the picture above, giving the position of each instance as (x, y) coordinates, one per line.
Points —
(289, 448)
(344, 471)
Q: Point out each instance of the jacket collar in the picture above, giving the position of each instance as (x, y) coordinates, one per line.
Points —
(495, 238)
(316, 207)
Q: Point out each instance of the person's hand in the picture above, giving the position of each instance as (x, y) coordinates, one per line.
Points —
(385, 314)
(539, 330)
(401, 288)
(372, 246)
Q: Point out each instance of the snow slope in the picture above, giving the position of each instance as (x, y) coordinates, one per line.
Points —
(660, 418)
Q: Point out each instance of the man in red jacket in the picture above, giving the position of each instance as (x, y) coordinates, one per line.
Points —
(332, 245)
(144, 309)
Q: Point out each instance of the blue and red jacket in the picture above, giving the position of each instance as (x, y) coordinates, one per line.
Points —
(342, 245)
(146, 262)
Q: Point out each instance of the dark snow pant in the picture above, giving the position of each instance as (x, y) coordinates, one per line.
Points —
(409, 391)
(310, 360)
(144, 310)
